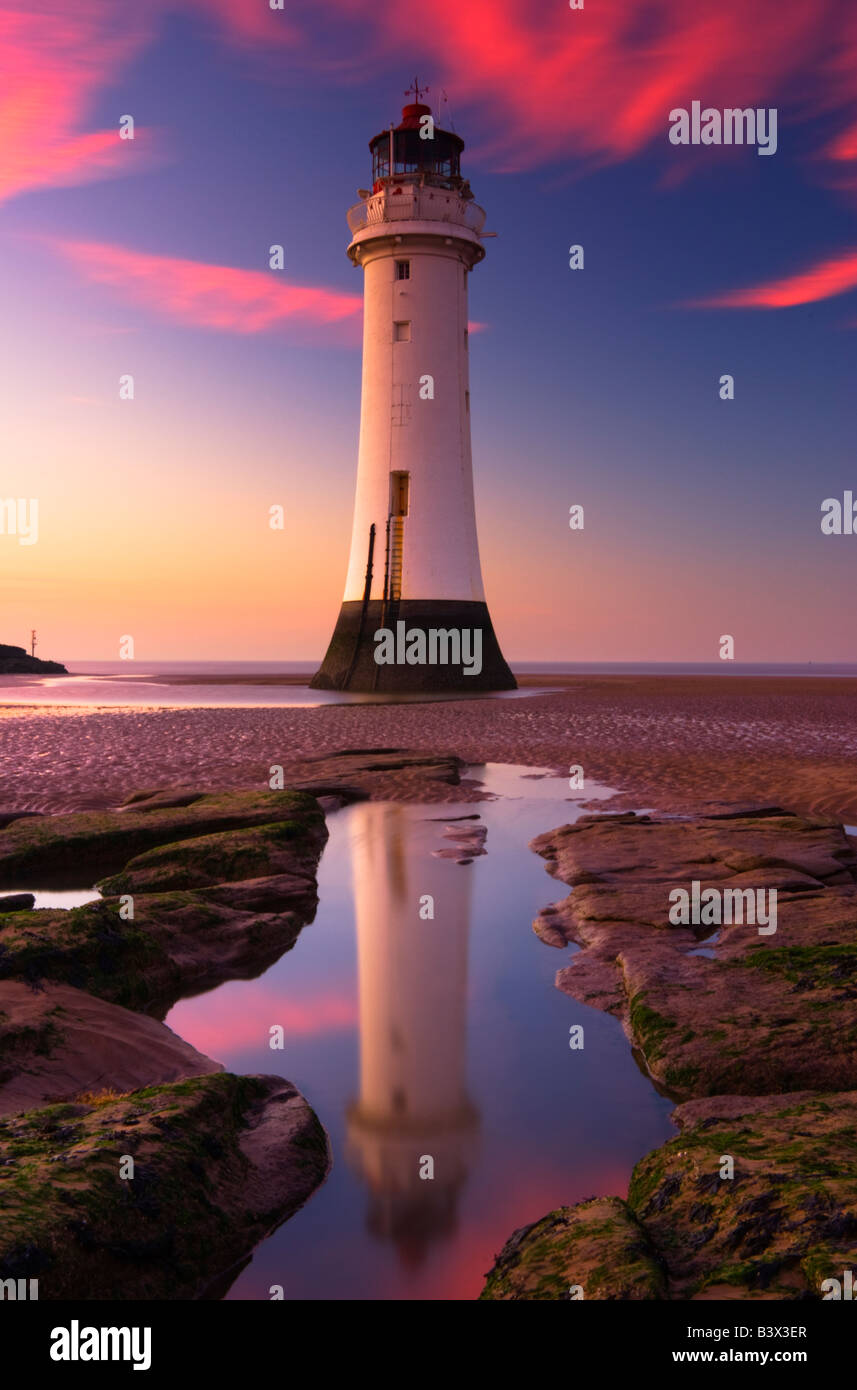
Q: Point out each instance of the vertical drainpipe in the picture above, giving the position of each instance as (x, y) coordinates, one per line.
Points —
(367, 591)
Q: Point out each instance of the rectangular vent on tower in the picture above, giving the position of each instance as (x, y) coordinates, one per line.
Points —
(402, 331)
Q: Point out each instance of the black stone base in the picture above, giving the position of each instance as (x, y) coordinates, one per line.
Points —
(350, 661)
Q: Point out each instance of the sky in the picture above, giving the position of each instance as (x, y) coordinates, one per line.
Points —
(597, 387)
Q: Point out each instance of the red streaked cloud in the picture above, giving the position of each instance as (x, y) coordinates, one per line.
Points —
(212, 296)
(546, 83)
(57, 56)
(54, 58)
(78, 160)
(543, 83)
(539, 85)
(844, 147)
(837, 275)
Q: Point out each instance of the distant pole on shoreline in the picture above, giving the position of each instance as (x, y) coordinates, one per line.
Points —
(33, 642)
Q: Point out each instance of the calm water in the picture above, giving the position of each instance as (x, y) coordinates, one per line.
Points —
(444, 1038)
(66, 898)
(152, 684)
(148, 685)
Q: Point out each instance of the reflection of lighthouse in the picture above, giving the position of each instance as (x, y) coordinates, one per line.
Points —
(413, 1099)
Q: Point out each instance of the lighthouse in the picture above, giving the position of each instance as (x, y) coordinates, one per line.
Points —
(414, 616)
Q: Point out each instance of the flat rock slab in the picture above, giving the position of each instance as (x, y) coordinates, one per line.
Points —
(627, 848)
(282, 848)
(762, 1013)
(176, 944)
(219, 1162)
(781, 1225)
(354, 774)
(58, 1042)
(383, 774)
(86, 845)
(188, 912)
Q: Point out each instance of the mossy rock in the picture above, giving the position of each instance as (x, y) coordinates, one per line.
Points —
(91, 948)
(87, 845)
(205, 907)
(597, 1247)
(219, 1161)
(176, 943)
(230, 855)
(785, 1221)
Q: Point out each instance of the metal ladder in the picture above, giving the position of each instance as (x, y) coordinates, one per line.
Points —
(397, 547)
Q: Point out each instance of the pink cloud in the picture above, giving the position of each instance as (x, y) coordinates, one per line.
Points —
(235, 1019)
(537, 83)
(549, 83)
(212, 296)
(836, 275)
(54, 57)
(543, 83)
(844, 147)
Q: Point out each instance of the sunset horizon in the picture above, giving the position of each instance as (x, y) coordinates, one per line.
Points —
(601, 383)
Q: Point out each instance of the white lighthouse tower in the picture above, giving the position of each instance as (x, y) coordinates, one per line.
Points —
(414, 552)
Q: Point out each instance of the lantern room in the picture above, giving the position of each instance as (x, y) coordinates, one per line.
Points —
(405, 149)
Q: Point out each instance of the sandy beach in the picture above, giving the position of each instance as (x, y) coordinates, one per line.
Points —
(676, 743)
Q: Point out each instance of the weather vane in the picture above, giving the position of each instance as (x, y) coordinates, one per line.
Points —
(417, 90)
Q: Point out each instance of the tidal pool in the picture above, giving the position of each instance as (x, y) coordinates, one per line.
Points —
(439, 1037)
(55, 897)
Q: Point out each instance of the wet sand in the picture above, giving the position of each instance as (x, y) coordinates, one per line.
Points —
(676, 743)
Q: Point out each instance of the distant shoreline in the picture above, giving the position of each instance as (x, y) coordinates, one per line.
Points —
(525, 678)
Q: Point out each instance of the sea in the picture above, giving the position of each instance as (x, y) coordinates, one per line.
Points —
(166, 684)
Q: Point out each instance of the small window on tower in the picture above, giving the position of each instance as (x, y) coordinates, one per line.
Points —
(403, 270)
(402, 331)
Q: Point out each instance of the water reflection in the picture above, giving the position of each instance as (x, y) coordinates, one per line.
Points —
(412, 1130)
(441, 1036)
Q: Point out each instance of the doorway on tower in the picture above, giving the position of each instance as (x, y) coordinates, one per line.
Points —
(398, 509)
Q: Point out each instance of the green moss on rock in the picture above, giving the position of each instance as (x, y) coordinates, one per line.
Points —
(597, 1246)
(189, 1212)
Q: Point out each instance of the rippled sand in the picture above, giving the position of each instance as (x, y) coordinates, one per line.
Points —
(669, 742)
